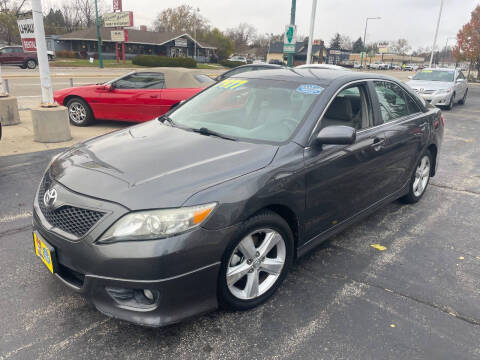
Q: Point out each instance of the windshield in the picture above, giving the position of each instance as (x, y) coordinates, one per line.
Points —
(434, 75)
(249, 109)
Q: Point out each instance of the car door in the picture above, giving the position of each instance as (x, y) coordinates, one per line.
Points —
(405, 127)
(342, 180)
(460, 85)
(17, 56)
(135, 97)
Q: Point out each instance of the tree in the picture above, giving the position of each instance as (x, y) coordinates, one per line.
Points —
(54, 22)
(400, 46)
(468, 42)
(9, 10)
(243, 35)
(225, 46)
(357, 46)
(346, 42)
(183, 18)
(336, 41)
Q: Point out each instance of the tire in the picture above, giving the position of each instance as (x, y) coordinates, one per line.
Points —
(79, 112)
(254, 231)
(31, 64)
(421, 173)
(464, 98)
(22, 66)
(451, 103)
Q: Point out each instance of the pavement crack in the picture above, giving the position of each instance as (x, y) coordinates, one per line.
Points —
(15, 230)
(446, 187)
(440, 307)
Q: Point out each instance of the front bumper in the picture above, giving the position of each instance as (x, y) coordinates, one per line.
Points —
(437, 99)
(182, 271)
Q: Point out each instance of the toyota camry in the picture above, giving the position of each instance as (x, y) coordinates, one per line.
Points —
(210, 204)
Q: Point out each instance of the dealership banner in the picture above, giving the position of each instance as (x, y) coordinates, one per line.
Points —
(117, 5)
(118, 19)
(27, 34)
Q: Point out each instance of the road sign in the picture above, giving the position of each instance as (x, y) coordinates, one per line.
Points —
(289, 40)
(27, 34)
(117, 35)
(118, 19)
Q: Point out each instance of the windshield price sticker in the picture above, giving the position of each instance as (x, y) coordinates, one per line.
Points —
(231, 83)
(310, 89)
(427, 71)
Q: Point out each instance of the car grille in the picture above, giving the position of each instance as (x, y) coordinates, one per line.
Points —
(429, 91)
(73, 220)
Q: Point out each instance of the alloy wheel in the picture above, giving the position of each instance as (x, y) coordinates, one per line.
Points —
(422, 175)
(31, 64)
(77, 112)
(256, 264)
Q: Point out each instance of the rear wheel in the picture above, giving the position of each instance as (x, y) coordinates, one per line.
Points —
(420, 179)
(256, 262)
(31, 64)
(464, 98)
(79, 112)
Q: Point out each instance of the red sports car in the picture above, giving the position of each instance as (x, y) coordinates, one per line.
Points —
(138, 96)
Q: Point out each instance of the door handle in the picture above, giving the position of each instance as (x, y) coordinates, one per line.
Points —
(378, 143)
(154, 96)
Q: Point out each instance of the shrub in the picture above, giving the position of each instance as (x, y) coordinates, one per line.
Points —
(161, 61)
(66, 54)
(231, 64)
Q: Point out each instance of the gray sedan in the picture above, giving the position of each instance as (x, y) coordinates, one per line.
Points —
(210, 204)
(440, 87)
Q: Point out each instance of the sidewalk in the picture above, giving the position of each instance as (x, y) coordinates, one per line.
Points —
(18, 139)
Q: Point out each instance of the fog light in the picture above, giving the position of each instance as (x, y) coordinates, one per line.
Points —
(148, 294)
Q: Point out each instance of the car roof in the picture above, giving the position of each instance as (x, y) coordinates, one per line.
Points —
(321, 66)
(311, 75)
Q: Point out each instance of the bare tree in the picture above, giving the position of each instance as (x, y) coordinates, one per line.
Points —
(183, 18)
(243, 35)
(345, 42)
(400, 46)
(9, 11)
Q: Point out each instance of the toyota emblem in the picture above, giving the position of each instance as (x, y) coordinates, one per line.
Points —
(50, 197)
(421, 90)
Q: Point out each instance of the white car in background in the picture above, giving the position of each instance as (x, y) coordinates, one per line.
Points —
(238, 58)
(440, 86)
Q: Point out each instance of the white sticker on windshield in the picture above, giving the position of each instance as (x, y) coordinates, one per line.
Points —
(310, 89)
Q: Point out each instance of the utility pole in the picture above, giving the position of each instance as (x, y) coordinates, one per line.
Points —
(310, 37)
(44, 69)
(99, 45)
(292, 22)
(436, 33)
(365, 39)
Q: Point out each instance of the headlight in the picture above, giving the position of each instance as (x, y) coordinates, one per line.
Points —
(154, 224)
(444, 91)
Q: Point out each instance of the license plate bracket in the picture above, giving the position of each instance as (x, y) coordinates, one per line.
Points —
(45, 252)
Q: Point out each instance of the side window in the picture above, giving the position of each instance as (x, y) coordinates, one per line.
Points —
(19, 50)
(460, 75)
(351, 107)
(392, 101)
(141, 81)
(7, 50)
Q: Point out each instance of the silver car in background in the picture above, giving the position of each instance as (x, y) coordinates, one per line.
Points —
(440, 87)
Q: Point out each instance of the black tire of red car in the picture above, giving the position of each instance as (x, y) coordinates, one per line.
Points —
(451, 103)
(79, 112)
(262, 220)
(31, 64)
(411, 197)
(23, 66)
(464, 98)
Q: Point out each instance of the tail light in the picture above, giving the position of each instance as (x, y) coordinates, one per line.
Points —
(442, 120)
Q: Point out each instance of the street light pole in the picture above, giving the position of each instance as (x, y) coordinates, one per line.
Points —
(195, 34)
(310, 37)
(99, 45)
(365, 38)
(292, 22)
(436, 33)
(445, 51)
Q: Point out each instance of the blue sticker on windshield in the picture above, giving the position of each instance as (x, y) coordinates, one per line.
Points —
(310, 89)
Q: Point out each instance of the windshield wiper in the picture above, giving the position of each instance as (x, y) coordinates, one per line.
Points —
(164, 118)
(208, 132)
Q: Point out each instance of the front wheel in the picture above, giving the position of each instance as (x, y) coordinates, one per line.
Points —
(464, 98)
(79, 112)
(452, 102)
(256, 262)
(420, 179)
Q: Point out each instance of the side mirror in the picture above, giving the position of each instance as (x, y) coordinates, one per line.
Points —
(410, 77)
(460, 80)
(337, 135)
(109, 87)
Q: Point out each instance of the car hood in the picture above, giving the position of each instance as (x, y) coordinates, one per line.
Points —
(429, 85)
(153, 165)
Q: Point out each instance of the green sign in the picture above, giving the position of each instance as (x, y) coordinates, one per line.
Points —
(288, 48)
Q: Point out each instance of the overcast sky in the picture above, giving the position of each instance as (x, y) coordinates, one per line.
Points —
(410, 19)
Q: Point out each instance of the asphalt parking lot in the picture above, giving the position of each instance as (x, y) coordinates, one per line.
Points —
(417, 299)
